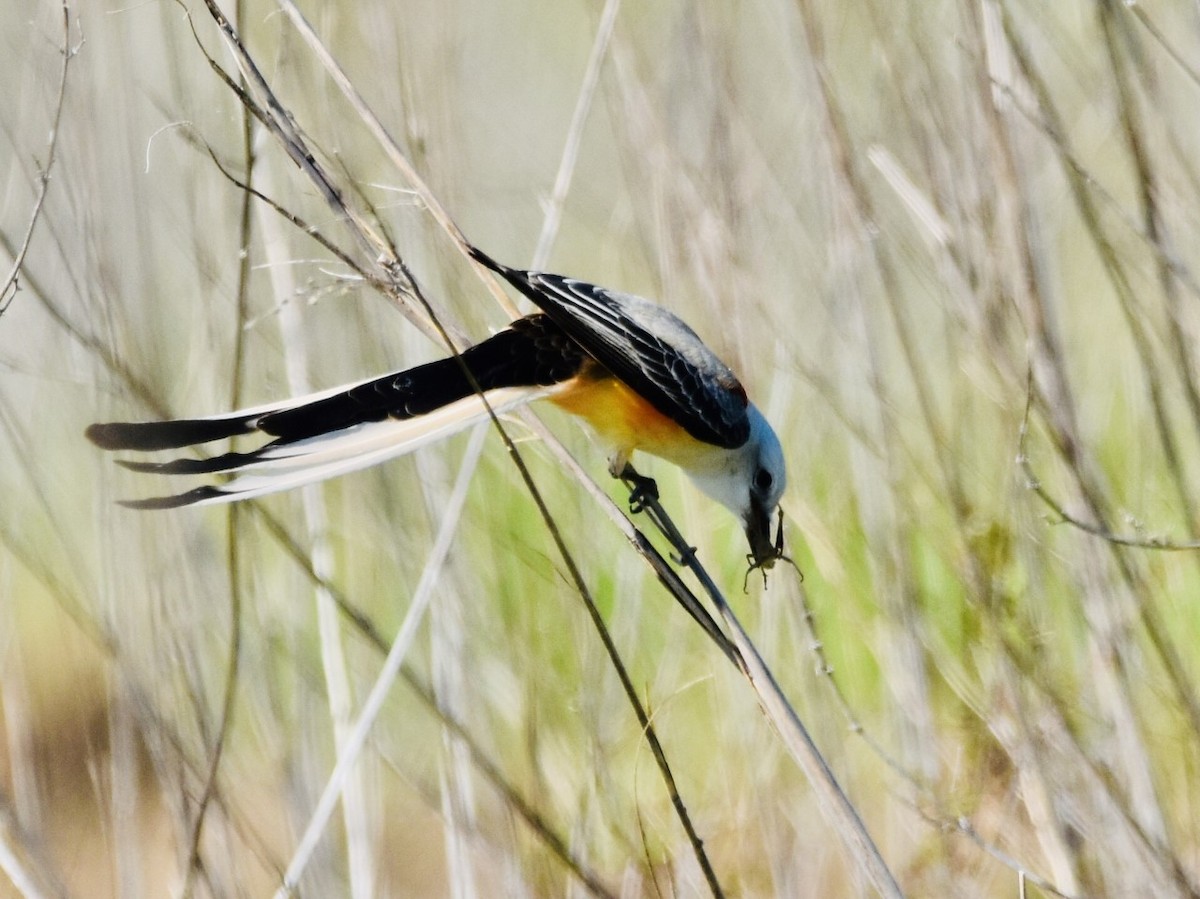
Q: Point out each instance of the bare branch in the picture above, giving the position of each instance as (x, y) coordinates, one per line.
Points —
(11, 283)
(1064, 517)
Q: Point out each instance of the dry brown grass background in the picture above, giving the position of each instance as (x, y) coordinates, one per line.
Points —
(950, 247)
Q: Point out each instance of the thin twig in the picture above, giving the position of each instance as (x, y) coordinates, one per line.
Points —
(10, 285)
(1134, 7)
(1034, 483)
(963, 827)
(570, 154)
(280, 123)
(22, 862)
(394, 153)
(352, 743)
(312, 231)
(234, 517)
(817, 646)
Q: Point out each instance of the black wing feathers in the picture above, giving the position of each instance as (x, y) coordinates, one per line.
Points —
(698, 392)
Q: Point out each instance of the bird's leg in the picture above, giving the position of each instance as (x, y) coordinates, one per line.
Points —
(643, 497)
(618, 464)
(643, 491)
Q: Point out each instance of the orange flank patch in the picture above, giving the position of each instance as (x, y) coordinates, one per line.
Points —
(621, 418)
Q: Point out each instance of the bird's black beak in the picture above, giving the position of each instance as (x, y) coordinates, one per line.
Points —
(763, 550)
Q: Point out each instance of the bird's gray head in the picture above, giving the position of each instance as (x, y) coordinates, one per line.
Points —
(750, 482)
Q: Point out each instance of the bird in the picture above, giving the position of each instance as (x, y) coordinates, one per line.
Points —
(640, 377)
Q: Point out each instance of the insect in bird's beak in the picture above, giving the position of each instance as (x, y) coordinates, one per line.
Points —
(764, 551)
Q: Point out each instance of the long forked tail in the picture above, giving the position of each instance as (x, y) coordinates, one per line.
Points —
(352, 427)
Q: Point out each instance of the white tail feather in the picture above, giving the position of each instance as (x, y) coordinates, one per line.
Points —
(361, 446)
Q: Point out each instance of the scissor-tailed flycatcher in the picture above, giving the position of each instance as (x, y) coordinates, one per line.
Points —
(637, 374)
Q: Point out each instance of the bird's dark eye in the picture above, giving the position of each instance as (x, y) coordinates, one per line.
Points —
(763, 480)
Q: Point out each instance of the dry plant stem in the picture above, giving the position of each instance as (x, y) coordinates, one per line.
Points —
(670, 579)
(394, 153)
(1009, 715)
(450, 665)
(29, 874)
(963, 827)
(355, 805)
(559, 845)
(142, 390)
(399, 285)
(1134, 7)
(310, 231)
(1067, 157)
(825, 670)
(1156, 228)
(583, 105)
(836, 807)
(1034, 483)
(488, 769)
(351, 745)
(1121, 279)
(281, 125)
(663, 569)
(1105, 780)
(666, 574)
(385, 286)
(232, 666)
(102, 638)
(134, 385)
(110, 646)
(245, 232)
(209, 789)
(233, 532)
(1048, 353)
(597, 620)
(618, 664)
(10, 285)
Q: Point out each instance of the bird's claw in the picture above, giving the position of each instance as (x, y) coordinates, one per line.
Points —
(644, 492)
